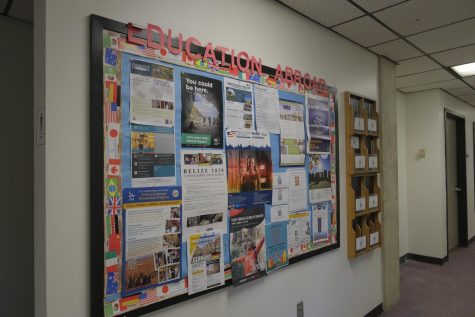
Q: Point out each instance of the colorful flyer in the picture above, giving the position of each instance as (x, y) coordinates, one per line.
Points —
(249, 167)
(319, 178)
(152, 248)
(318, 123)
(205, 261)
(247, 243)
(153, 156)
(292, 133)
(276, 242)
(298, 233)
(201, 112)
(321, 221)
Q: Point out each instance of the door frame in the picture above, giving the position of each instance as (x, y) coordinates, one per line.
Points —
(461, 178)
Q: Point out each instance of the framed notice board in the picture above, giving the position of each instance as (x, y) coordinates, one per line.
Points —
(208, 168)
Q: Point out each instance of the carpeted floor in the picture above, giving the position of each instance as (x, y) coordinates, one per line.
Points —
(429, 290)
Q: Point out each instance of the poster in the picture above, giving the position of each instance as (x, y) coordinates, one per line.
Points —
(298, 233)
(249, 167)
(276, 234)
(319, 178)
(292, 133)
(153, 156)
(152, 94)
(205, 261)
(247, 243)
(318, 123)
(267, 109)
(321, 213)
(205, 195)
(297, 189)
(239, 105)
(152, 247)
(279, 213)
(201, 112)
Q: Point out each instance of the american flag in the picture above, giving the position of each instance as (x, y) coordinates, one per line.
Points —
(113, 205)
(148, 297)
(111, 112)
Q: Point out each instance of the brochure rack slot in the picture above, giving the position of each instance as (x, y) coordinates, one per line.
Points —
(364, 199)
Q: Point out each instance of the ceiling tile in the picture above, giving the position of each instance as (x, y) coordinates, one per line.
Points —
(462, 91)
(374, 5)
(415, 65)
(470, 80)
(396, 50)
(22, 9)
(456, 56)
(326, 12)
(445, 38)
(449, 84)
(357, 30)
(423, 78)
(421, 15)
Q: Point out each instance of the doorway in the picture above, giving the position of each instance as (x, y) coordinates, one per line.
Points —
(456, 181)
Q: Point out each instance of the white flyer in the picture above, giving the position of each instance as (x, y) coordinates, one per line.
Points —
(279, 213)
(267, 109)
(239, 105)
(292, 133)
(205, 194)
(280, 196)
(152, 94)
(297, 189)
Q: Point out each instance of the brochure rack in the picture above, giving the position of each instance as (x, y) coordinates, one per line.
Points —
(364, 203)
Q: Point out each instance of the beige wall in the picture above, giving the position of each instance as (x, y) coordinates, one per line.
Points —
(263, 28)
(16, 183)
(425, 177)
(402, 173)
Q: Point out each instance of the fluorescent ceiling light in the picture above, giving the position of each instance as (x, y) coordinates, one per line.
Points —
(465, 69)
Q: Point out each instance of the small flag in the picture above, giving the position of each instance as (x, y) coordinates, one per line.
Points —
(110, 57)
(113, 141)
(113, 205)
(114, 243)
(112, 283)
(112, 187)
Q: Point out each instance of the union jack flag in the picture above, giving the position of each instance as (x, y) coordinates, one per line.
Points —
(113, 205)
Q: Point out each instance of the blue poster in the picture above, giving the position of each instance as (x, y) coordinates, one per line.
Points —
(276, 236)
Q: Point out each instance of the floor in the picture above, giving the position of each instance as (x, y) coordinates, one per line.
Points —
(429, 290)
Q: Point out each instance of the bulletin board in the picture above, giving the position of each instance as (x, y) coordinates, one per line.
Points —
(202, 176)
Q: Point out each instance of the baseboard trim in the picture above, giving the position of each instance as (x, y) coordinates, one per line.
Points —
(423, 258)
(378, 310)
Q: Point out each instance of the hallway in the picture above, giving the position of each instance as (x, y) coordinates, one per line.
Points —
(429, 290)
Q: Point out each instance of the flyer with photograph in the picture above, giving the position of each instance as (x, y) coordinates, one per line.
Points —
(298, 233)
(205, 261)
(205, 195)
(298, 189)
(276, 235)
(318, 123)
(239, 105)
(292, 133)
(153, 156)
(201, 111)
(247, 243)
(152, 94)
(249, 167)
(152, 247)
(267, 109)
(320, 222)
(319, 178)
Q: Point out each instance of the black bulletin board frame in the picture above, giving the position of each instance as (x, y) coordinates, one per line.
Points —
(97, 26)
